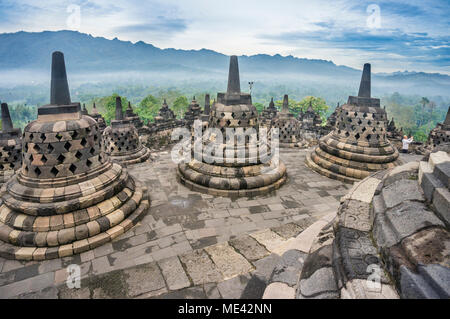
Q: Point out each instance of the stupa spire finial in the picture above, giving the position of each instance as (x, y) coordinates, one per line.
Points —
(59, 88)
(447, 118)
(234, 85)
(285, 108)
(364, 87)
(6, 118)
(119, 112)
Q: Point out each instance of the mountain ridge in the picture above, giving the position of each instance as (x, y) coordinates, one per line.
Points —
(85, 53)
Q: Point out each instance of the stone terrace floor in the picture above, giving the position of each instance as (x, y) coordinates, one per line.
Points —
(180, 221)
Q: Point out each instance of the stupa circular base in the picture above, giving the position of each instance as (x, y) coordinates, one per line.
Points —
(138, 157)
(329, 171)
(5, 176)
(25, 237)
(351, 162)
(231, 182)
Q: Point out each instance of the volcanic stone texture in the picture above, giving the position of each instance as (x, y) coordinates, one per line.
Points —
(10, 147)
(395, 223)
(121, 140)
(68, 196)
(441, 133)
(288, 126)
(231, 170)
(358, 145)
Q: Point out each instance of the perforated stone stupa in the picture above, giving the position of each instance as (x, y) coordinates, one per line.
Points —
(358, 145)
(10, 146)
(68, 197)
(224, 171)
(133, 117)
(268, 114)
(193, 113)
(99, 118)
(121, 140)
(165, 113)
(288, 126)
(441, 133)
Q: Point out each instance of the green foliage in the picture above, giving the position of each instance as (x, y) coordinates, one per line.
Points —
(318, 104)
(148, 108)
(259, 107)
(107, 106)
(21, 114)
(417, 116)
(180, 105)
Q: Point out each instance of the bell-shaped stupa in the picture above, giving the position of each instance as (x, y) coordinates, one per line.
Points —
(441, 133)
(133, 117)
(194, 112)
(268, 114)
(99, 118)
(288, 126)
(358, 146)
(232, 166)
(121, 140)
(68, 197)
(10, 146)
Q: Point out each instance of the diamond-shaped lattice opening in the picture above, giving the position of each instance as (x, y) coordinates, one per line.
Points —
(61, 158)
(72, 168)
(37, 171)
(78, 154)
(67, 146)
(347, 134)
(83, 141)
(228, 122)
(74, 134)
(88, 163)
(54, 171)
(58, 136)
(357, 136)
(43, 137)
(50, 148)
(368, 136)
(43, 159)
(31, 158)
(36, 148)
(363, 129)
(25, 147)
(1, 167)
(31, 136)
(88, 130)
(359, 122)
(92, 150)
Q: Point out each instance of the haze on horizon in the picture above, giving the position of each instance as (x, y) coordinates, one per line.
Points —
(394, 35)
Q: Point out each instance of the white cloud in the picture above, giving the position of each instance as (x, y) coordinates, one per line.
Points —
(236, 26)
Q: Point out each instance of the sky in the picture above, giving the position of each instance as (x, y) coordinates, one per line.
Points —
(392, 35)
